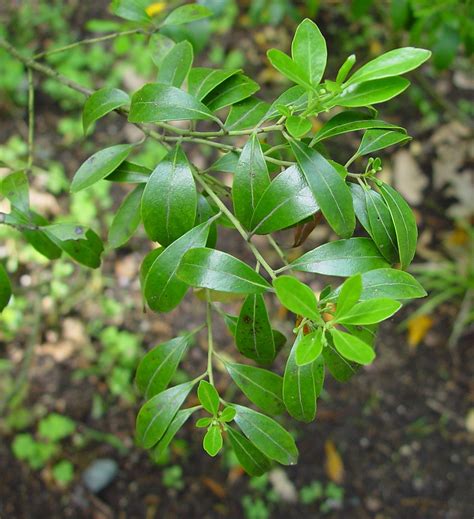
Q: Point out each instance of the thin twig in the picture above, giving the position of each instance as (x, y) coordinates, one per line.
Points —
(31, 121)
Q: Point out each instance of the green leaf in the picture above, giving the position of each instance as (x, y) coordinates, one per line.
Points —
(374, 140)
(227, 162)
(382, 229)
(350, 121)
(130, 172)
(208, 268)
(227, 415)
(15, 188)
(346, 67)
(341, 258)
(250, 181)
(339, 367)
(176, 64)
(253, 461)
(5, 288)
(99, 165)
(404, 223)
(186, 14)
(86, 247)
(253, 333)
(268, 435)
(162, 289)
(260, 386)
(204, 422)
(349, 294)
(329, 189)
(309, 52)
(38, 239)
(209, 397)
(126, 218)
(202, 80)
(295, 97)
(159, 46)
(246, 114)
(212, 442)
(297, 297)
(360, 206)
(169, 201)
(234, 89)
(55, 427)
(302, 386)
(309, 348)
(298, 126)
(102, 102)
(157, 367)
(392, 63)
(178, 421)
(391, 283)
(156, 415)
(352, 348)
(155, 102)
(370, 93)
(285, 202)
(286, 66)
(370, 312)
(133, 10)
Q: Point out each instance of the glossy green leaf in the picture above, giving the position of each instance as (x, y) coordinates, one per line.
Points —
(298, 126)
(155, 102)
(157, 367)
(260, 386)
(253, 333)
(346, 67)
(302, 386)
(126, 219)
(86, 248)
(296, 296)
(374, 140)
(392, 63)
(234, 89)
(36, 238)
(176, 64)
(352, 348)
(349, 294)
(391, 283)
(246, 114)
(209, 397)
(309, 348)
(15, 188)
(295, 97)
(253, 461)
(186, 14)
(129, 172)
(251, 179)
(102, 102)
(204, 422)
(5, 288)
(162, 289)
(227, 415)
(350, 121)
(286, 66)
(227, 162)
(203, 80)
(99, 165)
(178, 421)
(309, 52)
(285, 202)
(382, 229)
(169, 201)
(212, 442)
(371, 311)
(268, 435)
(404, 223)
(156, 415)
(341, 258)
(371, 92)
(360, 206)
(329, 189)
(208, 268)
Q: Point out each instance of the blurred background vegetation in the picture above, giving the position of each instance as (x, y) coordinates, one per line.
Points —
(393, 442)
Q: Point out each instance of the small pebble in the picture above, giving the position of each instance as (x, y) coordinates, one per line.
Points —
(99, 474)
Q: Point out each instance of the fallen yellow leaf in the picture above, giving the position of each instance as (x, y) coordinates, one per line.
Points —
(334, 465)
(155, 8)
(418, 327)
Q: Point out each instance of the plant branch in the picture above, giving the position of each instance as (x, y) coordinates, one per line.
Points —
(31, 121)
(210, 339)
